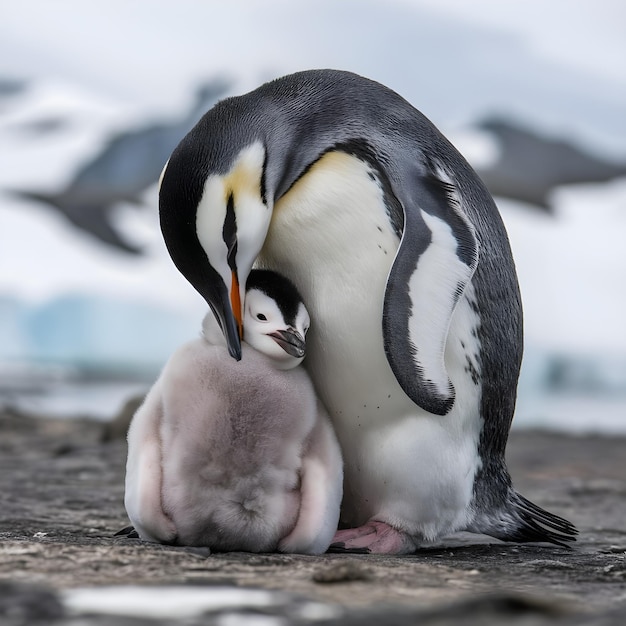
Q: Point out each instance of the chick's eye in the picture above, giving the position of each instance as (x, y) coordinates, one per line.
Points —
(261, 317)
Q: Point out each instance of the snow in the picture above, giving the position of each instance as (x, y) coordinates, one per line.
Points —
(572, 269)
(68, 300)
(571, 266)
(176, 602)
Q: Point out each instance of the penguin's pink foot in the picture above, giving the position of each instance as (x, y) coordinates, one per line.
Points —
(373, 538)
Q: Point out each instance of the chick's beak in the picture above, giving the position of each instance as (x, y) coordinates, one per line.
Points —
(291, 341)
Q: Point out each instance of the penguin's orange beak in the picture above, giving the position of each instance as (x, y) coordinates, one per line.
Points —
(235, 303)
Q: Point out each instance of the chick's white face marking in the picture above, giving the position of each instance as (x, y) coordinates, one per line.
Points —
(241, 185)
(263, 321)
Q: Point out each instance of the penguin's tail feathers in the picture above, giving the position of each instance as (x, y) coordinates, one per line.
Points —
(523, 521)
(537, 524)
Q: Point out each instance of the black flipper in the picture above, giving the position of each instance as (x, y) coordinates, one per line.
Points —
(436, 260)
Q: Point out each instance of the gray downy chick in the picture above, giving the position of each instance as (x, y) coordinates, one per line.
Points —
(238, 455)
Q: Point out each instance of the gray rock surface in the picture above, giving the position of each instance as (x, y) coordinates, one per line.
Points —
(61, 501)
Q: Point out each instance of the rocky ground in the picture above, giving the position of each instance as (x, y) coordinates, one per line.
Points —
(61, 501)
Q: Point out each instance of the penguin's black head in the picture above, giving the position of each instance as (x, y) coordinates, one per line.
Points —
(214, 219)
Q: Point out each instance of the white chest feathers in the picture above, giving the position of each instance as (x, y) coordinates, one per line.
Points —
(332, 235)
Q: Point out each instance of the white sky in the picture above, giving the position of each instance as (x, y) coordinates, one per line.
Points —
(557, 64)
(588, 34)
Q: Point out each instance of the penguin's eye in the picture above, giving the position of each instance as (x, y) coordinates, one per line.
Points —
(261, 317)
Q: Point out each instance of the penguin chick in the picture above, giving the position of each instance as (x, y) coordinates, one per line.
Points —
(238, 455)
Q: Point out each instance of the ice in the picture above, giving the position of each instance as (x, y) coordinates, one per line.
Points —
(74, 301)
(103, 332)
(177, 602)
(14, 339)
(572, 268)
(572, 272)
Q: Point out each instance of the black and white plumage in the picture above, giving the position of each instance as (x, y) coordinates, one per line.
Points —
(238, 455)
(400, 253)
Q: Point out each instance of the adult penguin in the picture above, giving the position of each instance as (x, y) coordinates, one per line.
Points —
(398, 249)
